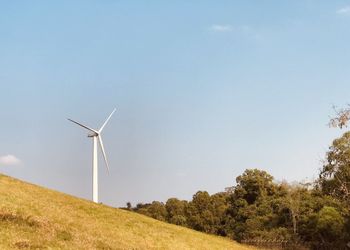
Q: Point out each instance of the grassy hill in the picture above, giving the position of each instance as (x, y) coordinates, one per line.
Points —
(33, 217)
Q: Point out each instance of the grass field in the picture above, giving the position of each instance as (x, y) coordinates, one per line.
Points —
(32, 217)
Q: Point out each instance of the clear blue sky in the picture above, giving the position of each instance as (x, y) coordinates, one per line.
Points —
(203, 90)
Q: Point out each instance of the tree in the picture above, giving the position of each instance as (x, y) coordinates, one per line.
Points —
(176, 210)
(255, 207)
(293, 202)
(254, 183)
(157, 211)
(334, 178)
(208, 213)
(199, 212)
(220, 204)
(330, 224)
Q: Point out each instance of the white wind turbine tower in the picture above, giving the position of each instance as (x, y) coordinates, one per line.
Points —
(96, 136)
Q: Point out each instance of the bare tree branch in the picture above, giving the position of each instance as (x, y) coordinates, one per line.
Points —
(341, 118)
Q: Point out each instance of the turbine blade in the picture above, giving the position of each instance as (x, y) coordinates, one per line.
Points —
(104, 124)
(92, 130)
(103, 152)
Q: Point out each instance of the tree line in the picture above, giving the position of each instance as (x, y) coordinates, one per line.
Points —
(316, 215)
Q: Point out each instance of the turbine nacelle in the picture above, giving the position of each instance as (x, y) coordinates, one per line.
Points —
(92, 135)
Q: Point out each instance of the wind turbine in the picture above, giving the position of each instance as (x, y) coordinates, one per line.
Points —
(96, 136)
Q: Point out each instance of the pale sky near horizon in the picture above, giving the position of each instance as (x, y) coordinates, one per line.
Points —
(203, 91)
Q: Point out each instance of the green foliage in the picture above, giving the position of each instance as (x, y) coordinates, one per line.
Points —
(257, 208)
(334, 178)
(155, 210)
(330, 223)
(176, 211)
(206, 213)
(199, 212)
(254, 205)
(254, 184)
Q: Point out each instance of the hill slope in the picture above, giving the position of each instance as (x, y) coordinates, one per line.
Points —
(33, 217)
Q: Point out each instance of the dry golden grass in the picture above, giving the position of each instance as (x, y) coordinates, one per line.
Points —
(33, 217)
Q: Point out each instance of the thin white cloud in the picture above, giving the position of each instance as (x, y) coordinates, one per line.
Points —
(220, 28)
(244, 30)
(344, 10)
(9, 160)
